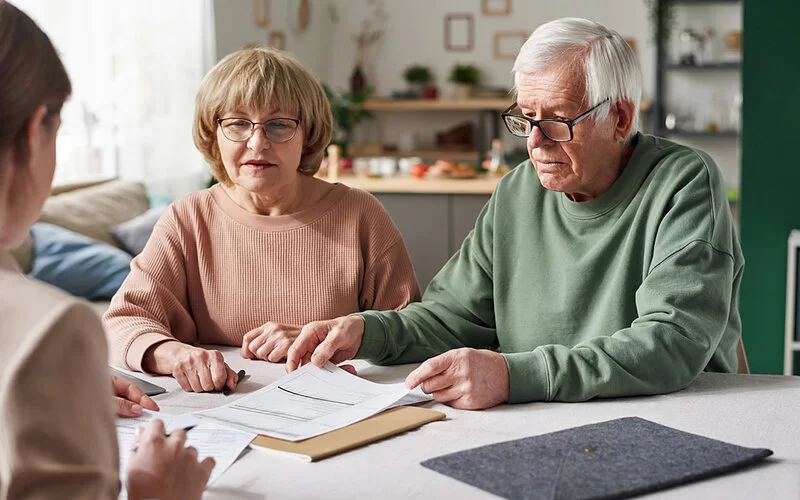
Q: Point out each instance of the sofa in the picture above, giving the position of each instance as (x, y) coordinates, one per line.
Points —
(93, 210)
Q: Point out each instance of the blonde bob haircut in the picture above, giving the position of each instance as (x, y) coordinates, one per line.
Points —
(262, 78)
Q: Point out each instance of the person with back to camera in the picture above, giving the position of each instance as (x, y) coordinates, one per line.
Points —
(269, 248)
(57, 428)
(607, 265)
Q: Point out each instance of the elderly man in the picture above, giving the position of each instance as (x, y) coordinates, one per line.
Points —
(605, 266)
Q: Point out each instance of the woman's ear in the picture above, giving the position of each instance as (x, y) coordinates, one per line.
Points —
(625, 117)
(37, 133)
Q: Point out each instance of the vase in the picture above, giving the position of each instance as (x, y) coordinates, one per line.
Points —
(358, 82)
(463, 91)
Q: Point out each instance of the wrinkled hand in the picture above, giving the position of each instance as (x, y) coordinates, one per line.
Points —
(163, 467)
(129, 399)
(335, 340)
(195, 369)
(269, 342)
(468, 379)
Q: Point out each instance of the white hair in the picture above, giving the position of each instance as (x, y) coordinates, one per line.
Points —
(609, 63)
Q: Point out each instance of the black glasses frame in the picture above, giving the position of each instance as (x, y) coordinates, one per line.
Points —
(535, 123)
(253, 128)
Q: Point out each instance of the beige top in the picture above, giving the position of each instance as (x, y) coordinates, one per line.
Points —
(57, 424)
(212, 271)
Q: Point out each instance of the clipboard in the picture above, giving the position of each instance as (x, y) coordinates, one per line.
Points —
(380, 426)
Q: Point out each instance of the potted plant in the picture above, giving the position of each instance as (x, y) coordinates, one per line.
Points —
(465, 77)
(417, 77)
(348, 111)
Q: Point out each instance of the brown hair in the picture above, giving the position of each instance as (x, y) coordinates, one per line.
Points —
(31, 75)
(262, 78)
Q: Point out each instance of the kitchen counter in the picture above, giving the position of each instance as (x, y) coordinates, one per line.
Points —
(478, 185)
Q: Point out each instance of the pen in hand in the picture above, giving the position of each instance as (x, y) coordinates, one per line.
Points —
(239, 376)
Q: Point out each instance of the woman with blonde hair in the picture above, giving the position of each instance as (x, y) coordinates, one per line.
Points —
(268, 249)
(57, 426)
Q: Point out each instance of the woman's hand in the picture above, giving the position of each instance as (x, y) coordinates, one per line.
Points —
(163, 467)
(269, 342)
(129, 399)
(195, 369)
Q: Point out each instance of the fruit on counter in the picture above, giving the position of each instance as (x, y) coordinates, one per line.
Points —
(419, 170)
(447, 168)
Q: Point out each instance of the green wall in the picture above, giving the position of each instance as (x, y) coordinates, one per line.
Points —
(770, 191)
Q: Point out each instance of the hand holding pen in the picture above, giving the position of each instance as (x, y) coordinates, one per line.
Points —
(239, 376)
(164, 467)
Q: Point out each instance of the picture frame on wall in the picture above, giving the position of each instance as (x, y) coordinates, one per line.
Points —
(496, 7)
(277, 39)
(459, 32)
(508, 43)
(262, 13)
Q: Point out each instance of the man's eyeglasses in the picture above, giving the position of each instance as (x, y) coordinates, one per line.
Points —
(553, 129)
(242, 129)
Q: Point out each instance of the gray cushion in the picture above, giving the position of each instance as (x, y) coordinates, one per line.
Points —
(132, 235)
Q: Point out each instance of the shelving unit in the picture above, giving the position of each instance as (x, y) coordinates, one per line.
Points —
(488, 110)
(663, 66)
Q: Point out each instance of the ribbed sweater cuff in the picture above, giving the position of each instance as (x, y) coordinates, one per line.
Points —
(373, 344)
(528, 377)
(140, 345)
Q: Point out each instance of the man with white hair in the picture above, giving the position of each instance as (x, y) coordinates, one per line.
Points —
(605, 266)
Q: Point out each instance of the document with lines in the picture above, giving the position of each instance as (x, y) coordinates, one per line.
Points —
(311, 401)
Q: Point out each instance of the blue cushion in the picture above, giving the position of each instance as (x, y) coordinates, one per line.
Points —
(80, 265)
(132, 235)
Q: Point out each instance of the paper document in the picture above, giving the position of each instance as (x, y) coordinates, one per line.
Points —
(211, 440)
(311, 401)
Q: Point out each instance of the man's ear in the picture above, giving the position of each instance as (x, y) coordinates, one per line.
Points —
(36, 132)
(625, 116)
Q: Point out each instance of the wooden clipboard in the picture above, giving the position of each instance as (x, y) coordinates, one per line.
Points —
(375, 428)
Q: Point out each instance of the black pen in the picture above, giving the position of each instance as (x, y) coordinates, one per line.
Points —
(135, 446)
(239, 376)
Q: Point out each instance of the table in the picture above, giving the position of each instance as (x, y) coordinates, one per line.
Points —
(748, 410)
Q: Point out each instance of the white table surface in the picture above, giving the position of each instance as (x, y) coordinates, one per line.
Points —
(748, 410)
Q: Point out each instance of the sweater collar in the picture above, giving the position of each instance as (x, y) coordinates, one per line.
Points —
(628, 181)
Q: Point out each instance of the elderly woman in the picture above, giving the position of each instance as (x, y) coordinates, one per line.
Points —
(606, 265)
(56, 416)
(267, 249)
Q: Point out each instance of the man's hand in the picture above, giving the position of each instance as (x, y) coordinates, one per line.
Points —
(335, 340)
(195, 369)
(467, 379)
(129, 399)
(163, 467)
(269, 342)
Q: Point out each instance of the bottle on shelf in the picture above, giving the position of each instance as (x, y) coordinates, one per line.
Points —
(496, 158)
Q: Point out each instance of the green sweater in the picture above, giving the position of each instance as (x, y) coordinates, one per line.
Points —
(634, 292)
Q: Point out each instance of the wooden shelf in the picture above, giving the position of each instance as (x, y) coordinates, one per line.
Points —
(448, 155)
(703, 2)
(491, 104)
(716, 66)
(693, 133)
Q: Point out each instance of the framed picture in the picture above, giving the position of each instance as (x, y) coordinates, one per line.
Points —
(459, 32)
(277, 39)
(508, 43)
(496, 7)
(261, 13)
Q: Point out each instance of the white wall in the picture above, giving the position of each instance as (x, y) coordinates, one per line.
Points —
(235, 29)
(414, 34)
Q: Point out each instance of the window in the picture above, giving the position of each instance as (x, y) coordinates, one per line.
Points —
(135, 68)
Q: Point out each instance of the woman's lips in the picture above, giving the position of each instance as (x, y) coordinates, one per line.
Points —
(259, 165)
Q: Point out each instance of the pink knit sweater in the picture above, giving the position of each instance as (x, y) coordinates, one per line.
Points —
(212, 271)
